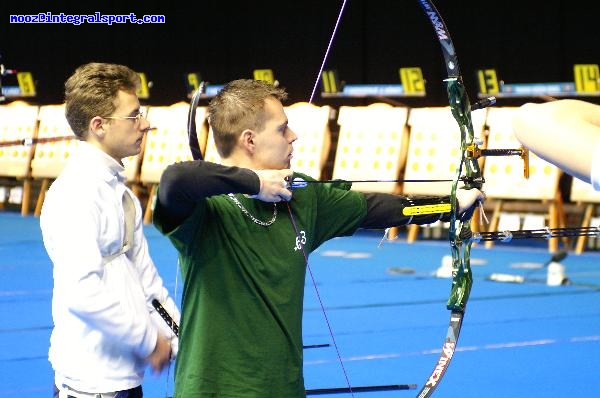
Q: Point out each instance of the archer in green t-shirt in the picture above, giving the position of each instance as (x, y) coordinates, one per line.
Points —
(243, 238)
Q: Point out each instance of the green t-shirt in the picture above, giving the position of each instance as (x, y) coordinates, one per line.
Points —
(242, 304)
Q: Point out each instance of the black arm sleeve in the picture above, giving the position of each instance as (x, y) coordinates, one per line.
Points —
(183, 184)
(387, 210)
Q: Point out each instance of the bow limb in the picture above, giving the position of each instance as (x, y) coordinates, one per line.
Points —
(191, 123)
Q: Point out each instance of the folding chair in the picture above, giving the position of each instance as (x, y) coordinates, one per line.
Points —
(311, 124)
(584, 194)
(166, 144)
(51, 157)
(505, 180)
(18, 124)
(371, 146)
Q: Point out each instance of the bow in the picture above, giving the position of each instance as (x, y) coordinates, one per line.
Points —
(459, 234)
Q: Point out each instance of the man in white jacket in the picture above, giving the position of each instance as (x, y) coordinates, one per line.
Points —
(106, 330)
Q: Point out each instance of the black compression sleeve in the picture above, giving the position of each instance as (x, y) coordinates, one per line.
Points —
(387, 210)
(183, 184)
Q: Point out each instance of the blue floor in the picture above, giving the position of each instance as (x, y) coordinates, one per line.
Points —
(387, 312)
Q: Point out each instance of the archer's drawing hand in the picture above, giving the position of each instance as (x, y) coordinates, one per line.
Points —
(468, 200)
(274, 185)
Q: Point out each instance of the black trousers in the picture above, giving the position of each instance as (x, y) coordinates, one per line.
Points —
(131, 393)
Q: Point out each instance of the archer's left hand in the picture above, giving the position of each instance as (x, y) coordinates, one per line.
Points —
(467, 200)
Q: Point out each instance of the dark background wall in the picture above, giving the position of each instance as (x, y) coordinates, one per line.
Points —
(525, 41)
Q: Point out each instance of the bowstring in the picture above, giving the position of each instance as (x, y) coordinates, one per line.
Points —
(314, 282)
(312, 95)
(335, 28)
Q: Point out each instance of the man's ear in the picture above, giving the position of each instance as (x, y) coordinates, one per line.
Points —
(247, 140)
(96, 127)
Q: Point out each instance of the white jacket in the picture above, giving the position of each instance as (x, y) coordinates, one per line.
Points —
(595, 175)
(103, 326)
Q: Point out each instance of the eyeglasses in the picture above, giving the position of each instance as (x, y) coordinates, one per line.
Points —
(136, 117)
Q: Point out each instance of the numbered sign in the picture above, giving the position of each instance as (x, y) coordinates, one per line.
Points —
(192, 82)
(488, 81)
(330, 81)
(144, 90)
(587, 78)
(26, 84)
(412, 80)
(265, 75)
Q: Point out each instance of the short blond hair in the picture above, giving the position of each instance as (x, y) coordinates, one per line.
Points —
(239, 106)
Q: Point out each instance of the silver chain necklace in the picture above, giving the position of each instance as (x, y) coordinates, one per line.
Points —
(254, 219)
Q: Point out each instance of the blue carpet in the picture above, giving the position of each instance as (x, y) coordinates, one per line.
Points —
(387, 312)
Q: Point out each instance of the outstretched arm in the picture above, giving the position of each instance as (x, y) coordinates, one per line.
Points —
(387, 210)
(565, 133)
